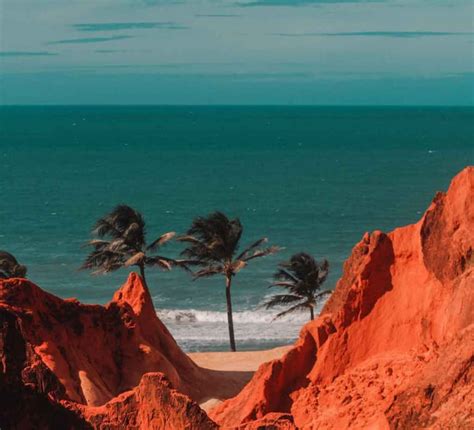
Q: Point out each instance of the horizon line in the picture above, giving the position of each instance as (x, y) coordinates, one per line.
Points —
(230, 105)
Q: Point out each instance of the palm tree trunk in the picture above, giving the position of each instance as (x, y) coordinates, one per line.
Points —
(142, 274)
(230, 320)
(312, 312)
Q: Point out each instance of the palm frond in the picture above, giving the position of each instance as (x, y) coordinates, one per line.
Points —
(302, 265)
(198, 250)
(97, 243)
(134, 234)
(160, 261)
(238, 265)
(188, 238)
(302, 276)
(135, 259)
(208, 271)
(263, 253)
(119, 245)
(104, 227)
(322, 294)
(121, 240)
(164, 264)
(161, 240)
(285, 274)
(187, 264)
(214, 238)
(103, 261)
(249, 248)
(306, 273)
(9, 266)
(323, 271)
(296, 308)
(20, 271)
(281, 299)
(7, 259)
(123, 222)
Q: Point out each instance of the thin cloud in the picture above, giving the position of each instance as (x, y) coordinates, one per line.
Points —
(217, 15)
(395, 34)
(116, 26)
(88, 40)
(158, 2)
(110, 51)
(27, 54)
(295, 3)
(122, 51)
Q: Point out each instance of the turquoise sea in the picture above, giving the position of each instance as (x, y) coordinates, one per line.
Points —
(309, 178)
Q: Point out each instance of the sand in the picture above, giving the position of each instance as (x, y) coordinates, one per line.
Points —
(229, 372)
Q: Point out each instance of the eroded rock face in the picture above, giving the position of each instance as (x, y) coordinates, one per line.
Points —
(60, 360)
(98, 352)
(393, 347)
(153, 405)
(27, 386)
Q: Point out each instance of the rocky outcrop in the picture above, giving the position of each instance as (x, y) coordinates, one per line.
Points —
(98, 352)
(153, 404)
(28, 389)
(66, 365)
(393, 347)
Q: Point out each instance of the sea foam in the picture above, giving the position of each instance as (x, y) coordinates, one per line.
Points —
(198, 330)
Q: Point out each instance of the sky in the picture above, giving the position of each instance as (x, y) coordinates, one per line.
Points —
(316, 52)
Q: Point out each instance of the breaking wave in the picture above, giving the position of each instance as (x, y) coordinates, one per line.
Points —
(257, 316)
(200, 330)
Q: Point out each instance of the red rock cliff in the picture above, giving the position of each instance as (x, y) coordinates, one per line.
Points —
(394, 345)
(63, 359)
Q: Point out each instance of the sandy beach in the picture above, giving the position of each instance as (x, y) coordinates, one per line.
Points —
(230, 371)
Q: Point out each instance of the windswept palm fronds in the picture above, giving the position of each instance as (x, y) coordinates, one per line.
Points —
(302, 276)
(120, 241)
(212, 243)
(10, 268)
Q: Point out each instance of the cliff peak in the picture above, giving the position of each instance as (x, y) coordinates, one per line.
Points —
(392, 342)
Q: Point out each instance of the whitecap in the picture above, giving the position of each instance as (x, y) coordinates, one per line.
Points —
(199, 329)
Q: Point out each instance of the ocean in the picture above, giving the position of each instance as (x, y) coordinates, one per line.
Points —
(310, 179)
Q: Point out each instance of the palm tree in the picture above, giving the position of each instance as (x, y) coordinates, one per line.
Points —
(302, 276)
(121, 242)
(9, 267)
(213, 244)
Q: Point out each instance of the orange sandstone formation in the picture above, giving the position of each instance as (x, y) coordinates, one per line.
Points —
(392, 349)
(154, 404)
(98, 352)
(394, 345)
(56, 355)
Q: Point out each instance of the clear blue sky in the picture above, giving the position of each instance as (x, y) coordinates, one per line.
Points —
(236, 52)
